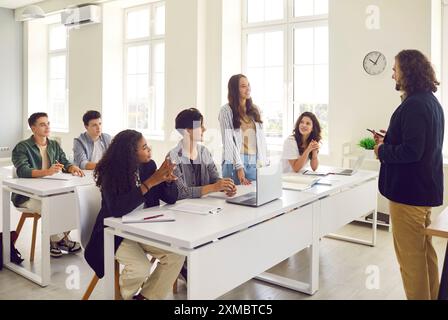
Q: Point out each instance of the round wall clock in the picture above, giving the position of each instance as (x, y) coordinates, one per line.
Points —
(374, 63)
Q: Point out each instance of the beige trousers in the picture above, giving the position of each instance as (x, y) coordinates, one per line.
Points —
(35, 206)
(136, 273)
(415, 253)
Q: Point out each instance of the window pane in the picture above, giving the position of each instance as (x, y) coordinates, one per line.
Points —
(303, 84)
(159, 103)
(256, 78)
(273, 10)
(57, 67)
(255, 11)
(159, 57)
(137, 24)
(57, 37)
(255, 50)
(274, 48)
(320, 6)
(57, 90)
(303, 46)
(321, 45)
(138, 60)
(321, 84)
(159, 25)
(303, 8)
(274, 84)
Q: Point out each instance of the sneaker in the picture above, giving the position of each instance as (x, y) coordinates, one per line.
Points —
(139, 297)
(69, 245)
(55, 252)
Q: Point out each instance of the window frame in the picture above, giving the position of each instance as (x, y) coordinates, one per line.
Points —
(52, 54)
(287, 24)
(151, 41)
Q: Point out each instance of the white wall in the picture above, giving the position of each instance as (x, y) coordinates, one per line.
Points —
(10, 80)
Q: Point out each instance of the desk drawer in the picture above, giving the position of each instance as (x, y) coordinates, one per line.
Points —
(344, 207)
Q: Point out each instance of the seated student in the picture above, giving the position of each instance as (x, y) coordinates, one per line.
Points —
(196, 171)
(36, 157)
(303, 145)
(90, 146)
(129, 178)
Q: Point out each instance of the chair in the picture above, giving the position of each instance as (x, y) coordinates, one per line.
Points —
(25, 215)
(89, 204)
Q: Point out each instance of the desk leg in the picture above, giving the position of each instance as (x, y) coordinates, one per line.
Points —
(45, 242)
(109, 264)
(312, 285)
(443, 291)
(6, 220)
(357, 240)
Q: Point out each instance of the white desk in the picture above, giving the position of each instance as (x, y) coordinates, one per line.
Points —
(240, 243)
(227, 249)
(349, 198)
(58, 214)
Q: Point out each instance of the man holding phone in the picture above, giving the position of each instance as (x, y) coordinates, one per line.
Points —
(36, 157)
(411, 174)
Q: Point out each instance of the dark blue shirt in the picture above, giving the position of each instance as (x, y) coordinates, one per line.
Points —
(411, 156)
(118, 205)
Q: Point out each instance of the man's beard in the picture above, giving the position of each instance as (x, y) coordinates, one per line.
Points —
(397, 86)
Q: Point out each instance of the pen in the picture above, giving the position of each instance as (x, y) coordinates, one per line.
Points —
(159, 215)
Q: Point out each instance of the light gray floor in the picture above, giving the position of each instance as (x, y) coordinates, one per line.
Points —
(345, 268)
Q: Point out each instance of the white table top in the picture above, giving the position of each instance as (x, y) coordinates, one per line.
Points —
(192, 230)
(46, 187)
(340, 182)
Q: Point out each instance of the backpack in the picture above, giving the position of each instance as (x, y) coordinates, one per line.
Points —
(16, 257)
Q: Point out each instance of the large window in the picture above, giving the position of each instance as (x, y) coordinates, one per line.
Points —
(144, 82)
(285, 56)
(57, 97)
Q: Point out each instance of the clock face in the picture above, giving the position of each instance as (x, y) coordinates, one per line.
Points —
(374, 63)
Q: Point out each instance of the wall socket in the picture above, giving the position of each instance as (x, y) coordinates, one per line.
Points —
(4, 149)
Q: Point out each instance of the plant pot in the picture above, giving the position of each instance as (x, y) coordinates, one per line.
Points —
(370, 154)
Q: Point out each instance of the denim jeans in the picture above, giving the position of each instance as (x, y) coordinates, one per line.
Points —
(250, 169)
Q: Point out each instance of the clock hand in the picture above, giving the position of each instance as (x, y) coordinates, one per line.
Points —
(372, 61)
(377, 59)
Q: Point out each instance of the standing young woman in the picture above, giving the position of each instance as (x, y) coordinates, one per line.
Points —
(302, 146)
(129, 178)
(244, 144)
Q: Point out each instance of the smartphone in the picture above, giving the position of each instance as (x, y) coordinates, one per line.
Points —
(377, 133)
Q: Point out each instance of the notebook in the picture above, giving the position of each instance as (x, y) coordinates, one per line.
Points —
(147, 216)
(191, 207)
(62, 176)
(298, 182)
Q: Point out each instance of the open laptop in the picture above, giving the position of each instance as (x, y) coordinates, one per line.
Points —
(349, 172)
(268, 187)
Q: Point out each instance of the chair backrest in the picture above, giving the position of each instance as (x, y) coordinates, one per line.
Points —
(88, 199)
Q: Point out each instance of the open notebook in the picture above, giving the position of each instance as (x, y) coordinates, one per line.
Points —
(298, 182)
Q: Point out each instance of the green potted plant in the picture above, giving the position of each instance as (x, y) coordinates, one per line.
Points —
(368, 144)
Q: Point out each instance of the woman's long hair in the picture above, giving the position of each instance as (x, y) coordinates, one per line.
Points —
(116, 171)
(417, 73)
(314, 135)
(234, 102)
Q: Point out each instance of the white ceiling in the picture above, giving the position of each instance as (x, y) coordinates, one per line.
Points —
(13, 4)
